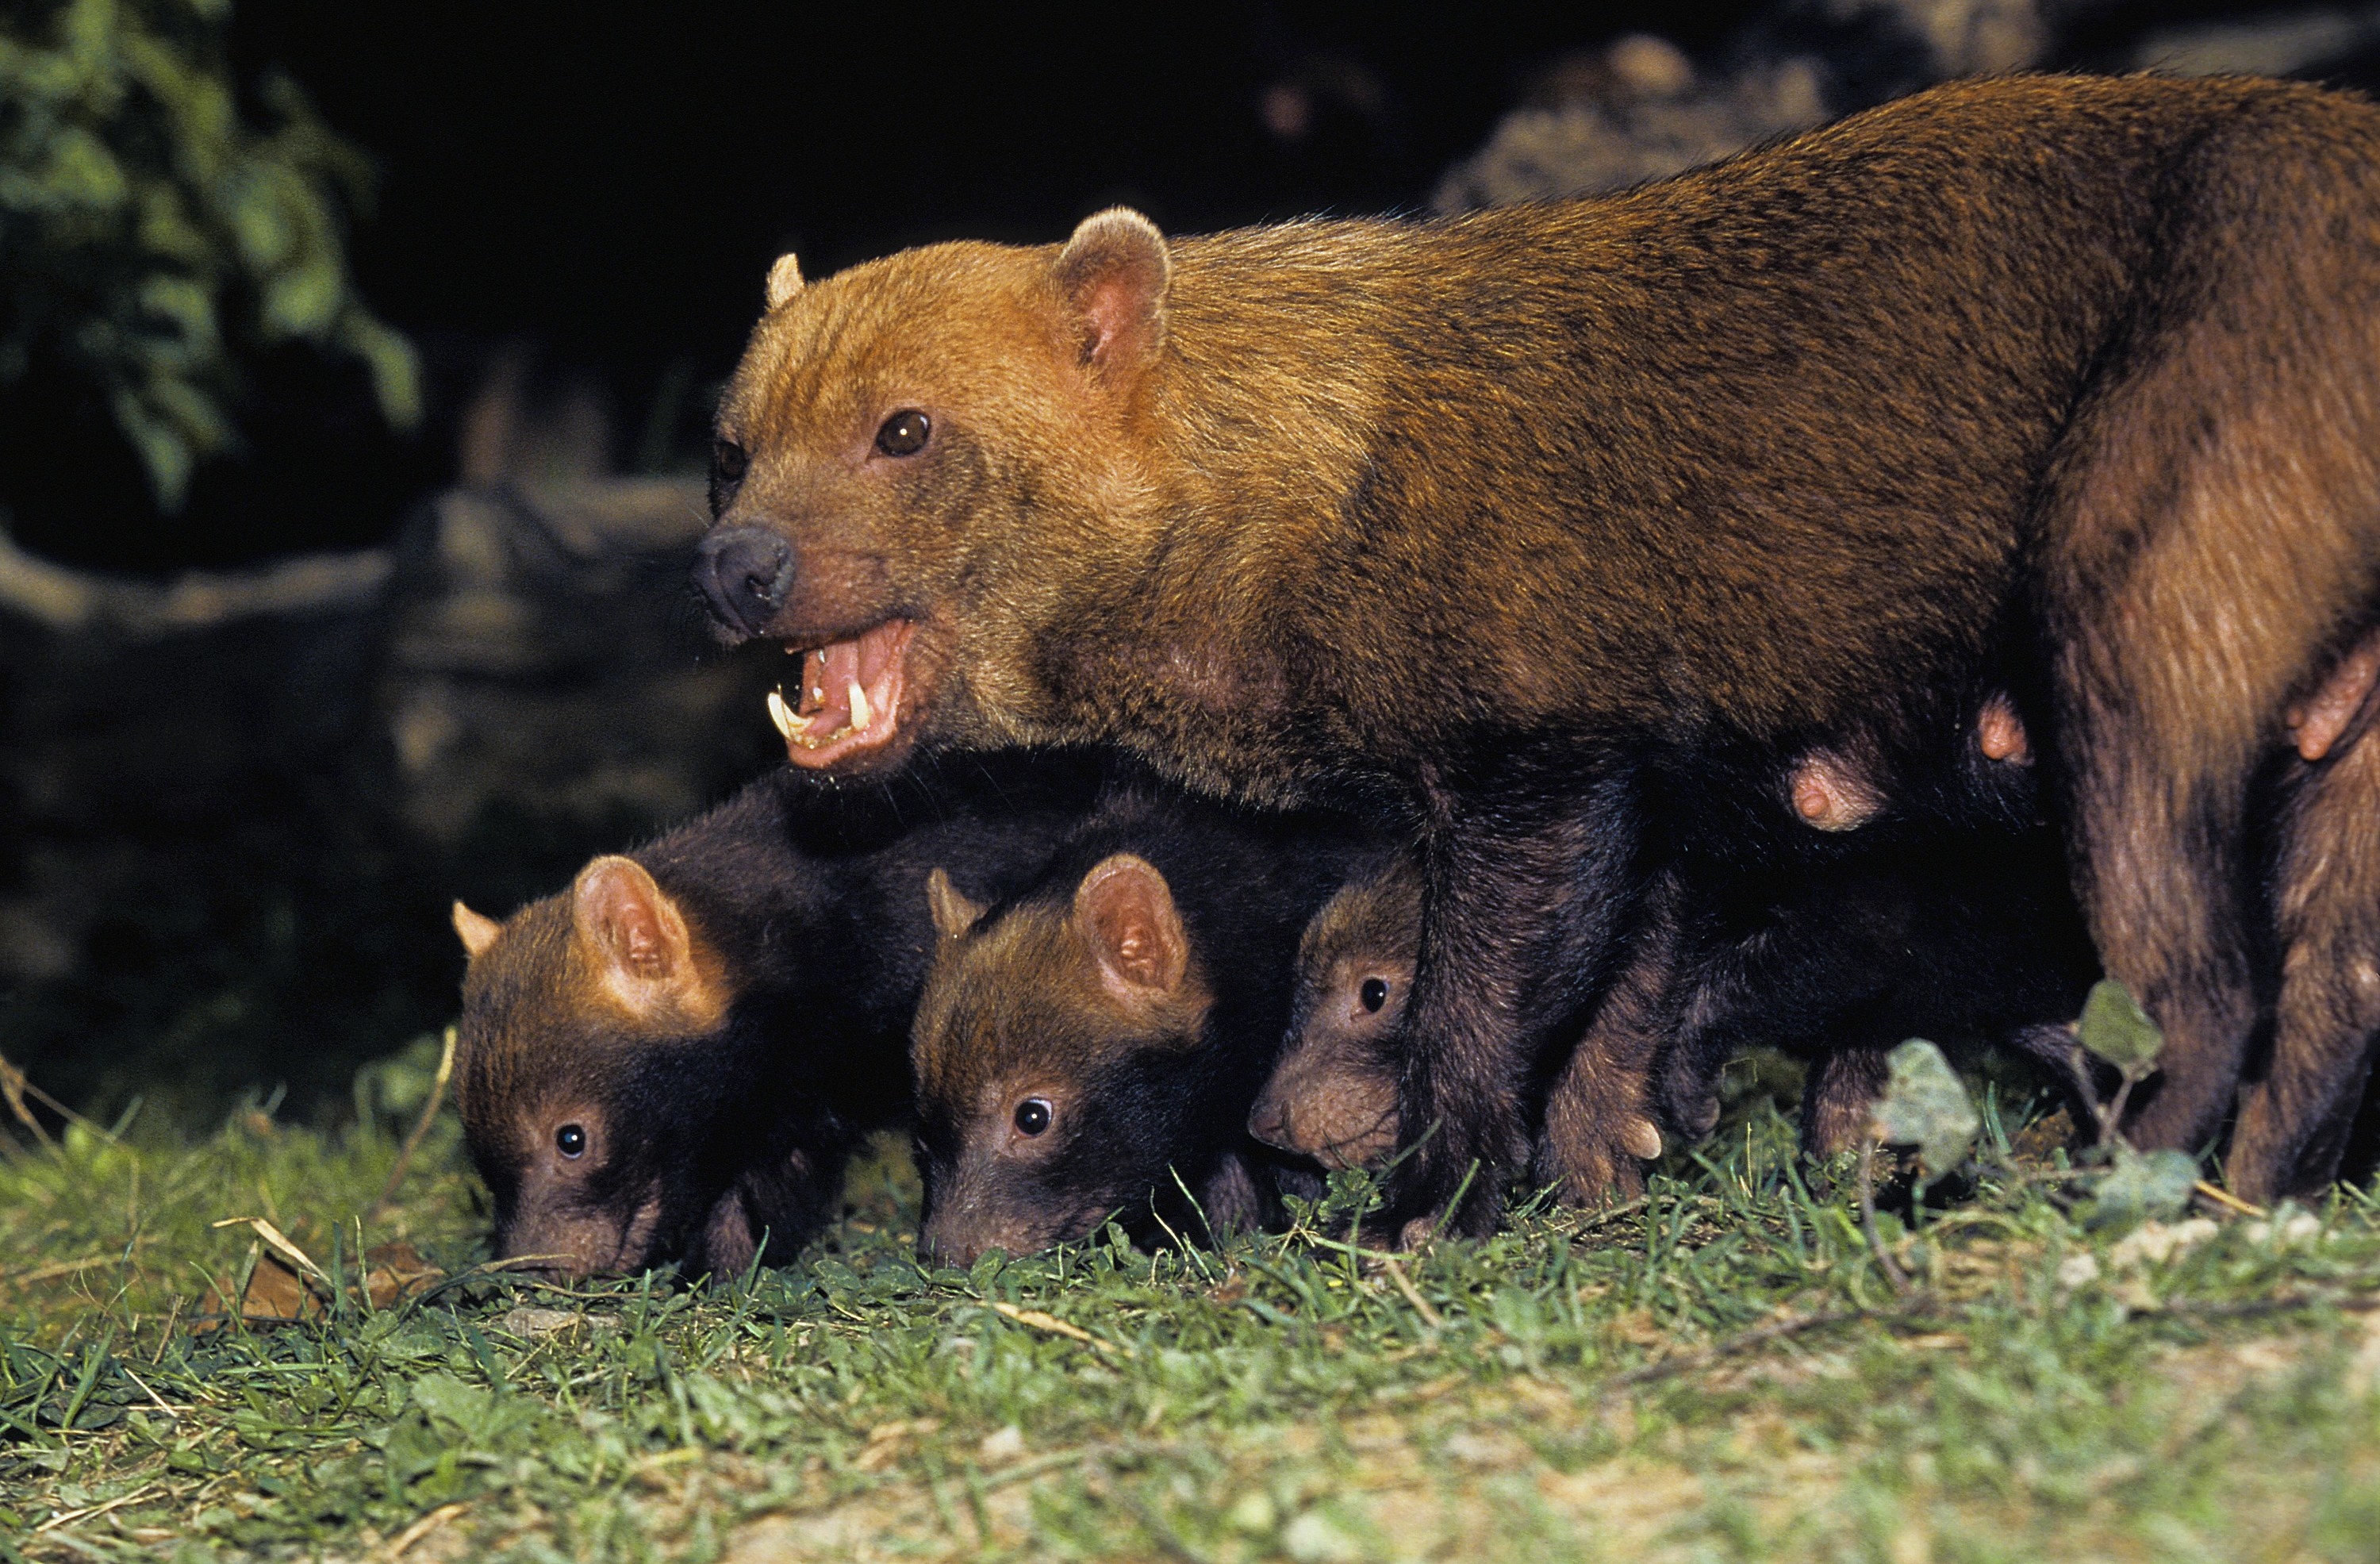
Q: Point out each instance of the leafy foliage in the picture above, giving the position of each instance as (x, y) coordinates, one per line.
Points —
(2143, 1186)
(1927, 1106)
(149, 234)
(2115, 1029)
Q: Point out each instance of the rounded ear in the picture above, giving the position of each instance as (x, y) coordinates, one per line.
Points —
(784, 279)
(1114, 274)
(1124, 908)
(953, 914)
(637, 930)
(644, 947)
(477, 932)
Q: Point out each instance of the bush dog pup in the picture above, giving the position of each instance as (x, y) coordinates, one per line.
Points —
(1083, 1044)
(678, 1053)
(1569, 527)
(1966, 937)
(1971, 940)
(1333, 1095)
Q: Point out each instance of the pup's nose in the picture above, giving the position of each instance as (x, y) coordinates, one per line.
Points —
(938, 1245)
(744, 573)
(1268, 1122)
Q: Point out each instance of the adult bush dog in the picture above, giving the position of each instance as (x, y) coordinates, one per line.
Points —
(1569, 527)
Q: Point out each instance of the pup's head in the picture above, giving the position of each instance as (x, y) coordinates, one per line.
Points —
(1333, 1097)
(911, 460)
(1060, 1062)
(599, 1102)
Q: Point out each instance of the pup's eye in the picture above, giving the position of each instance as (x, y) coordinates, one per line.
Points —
(727, 460)
(905, 432)
(1374, 993)
(1033, 1115)
(571, 1140)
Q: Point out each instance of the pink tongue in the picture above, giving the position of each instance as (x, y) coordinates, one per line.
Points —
(827, 674)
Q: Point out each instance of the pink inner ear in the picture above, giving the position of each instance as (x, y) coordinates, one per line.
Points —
(641, 942)
(1132, 946)
(1113, 273)
(1133, 923)
(627, 922)
(1115, 309)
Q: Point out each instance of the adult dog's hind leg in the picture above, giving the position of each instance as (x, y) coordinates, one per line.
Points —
(2295, 1116)
(2211, 531)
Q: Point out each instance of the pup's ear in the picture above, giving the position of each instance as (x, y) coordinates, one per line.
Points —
(1112, 275)
(1125, 909)
(784, 279)
(953, 914)
(642, 941)
(477, 931)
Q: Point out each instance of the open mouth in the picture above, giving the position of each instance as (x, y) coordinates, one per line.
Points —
(849, 702)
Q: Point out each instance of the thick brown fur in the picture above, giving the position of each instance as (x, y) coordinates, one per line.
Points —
(1567, 528)
(1967, 939)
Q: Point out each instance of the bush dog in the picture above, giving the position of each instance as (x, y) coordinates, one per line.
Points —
(1332, 1097)
(678, 1053)
(1568, 527)
(1833, 965)
(1965, 938)
(1089, 1047)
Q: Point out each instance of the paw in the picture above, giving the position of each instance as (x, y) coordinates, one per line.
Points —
(1603, 1169)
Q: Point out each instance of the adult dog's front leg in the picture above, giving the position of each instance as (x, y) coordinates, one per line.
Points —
(1528, 883)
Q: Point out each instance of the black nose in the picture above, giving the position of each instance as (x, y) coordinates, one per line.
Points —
(744, 573)
(1268, 1122)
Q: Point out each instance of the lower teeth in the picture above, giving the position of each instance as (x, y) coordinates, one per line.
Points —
(796, 728)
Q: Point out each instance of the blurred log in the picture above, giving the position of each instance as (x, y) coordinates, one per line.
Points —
(233, 804)
(545, 657)
(65, 601)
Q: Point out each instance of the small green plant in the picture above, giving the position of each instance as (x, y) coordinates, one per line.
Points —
(1927, 1106)
(150, 234)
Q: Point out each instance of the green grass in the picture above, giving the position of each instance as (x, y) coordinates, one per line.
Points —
(1723, 1372)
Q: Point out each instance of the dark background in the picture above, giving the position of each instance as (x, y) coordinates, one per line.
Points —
(609, 182)
(599, 191)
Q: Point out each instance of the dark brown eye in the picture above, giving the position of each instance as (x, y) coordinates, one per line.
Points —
(727, 460)
(903, 434)
(571, 1142)
(1374, 993)
(1032, 1115)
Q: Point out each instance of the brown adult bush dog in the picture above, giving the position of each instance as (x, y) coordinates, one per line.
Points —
(1568, 525)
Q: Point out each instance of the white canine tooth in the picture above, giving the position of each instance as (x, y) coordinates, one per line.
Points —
(860, 715)
(788, 725)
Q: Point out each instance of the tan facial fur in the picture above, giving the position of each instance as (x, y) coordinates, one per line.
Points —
(1040, 1007)
(1333, 1097)
(554, 1000)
